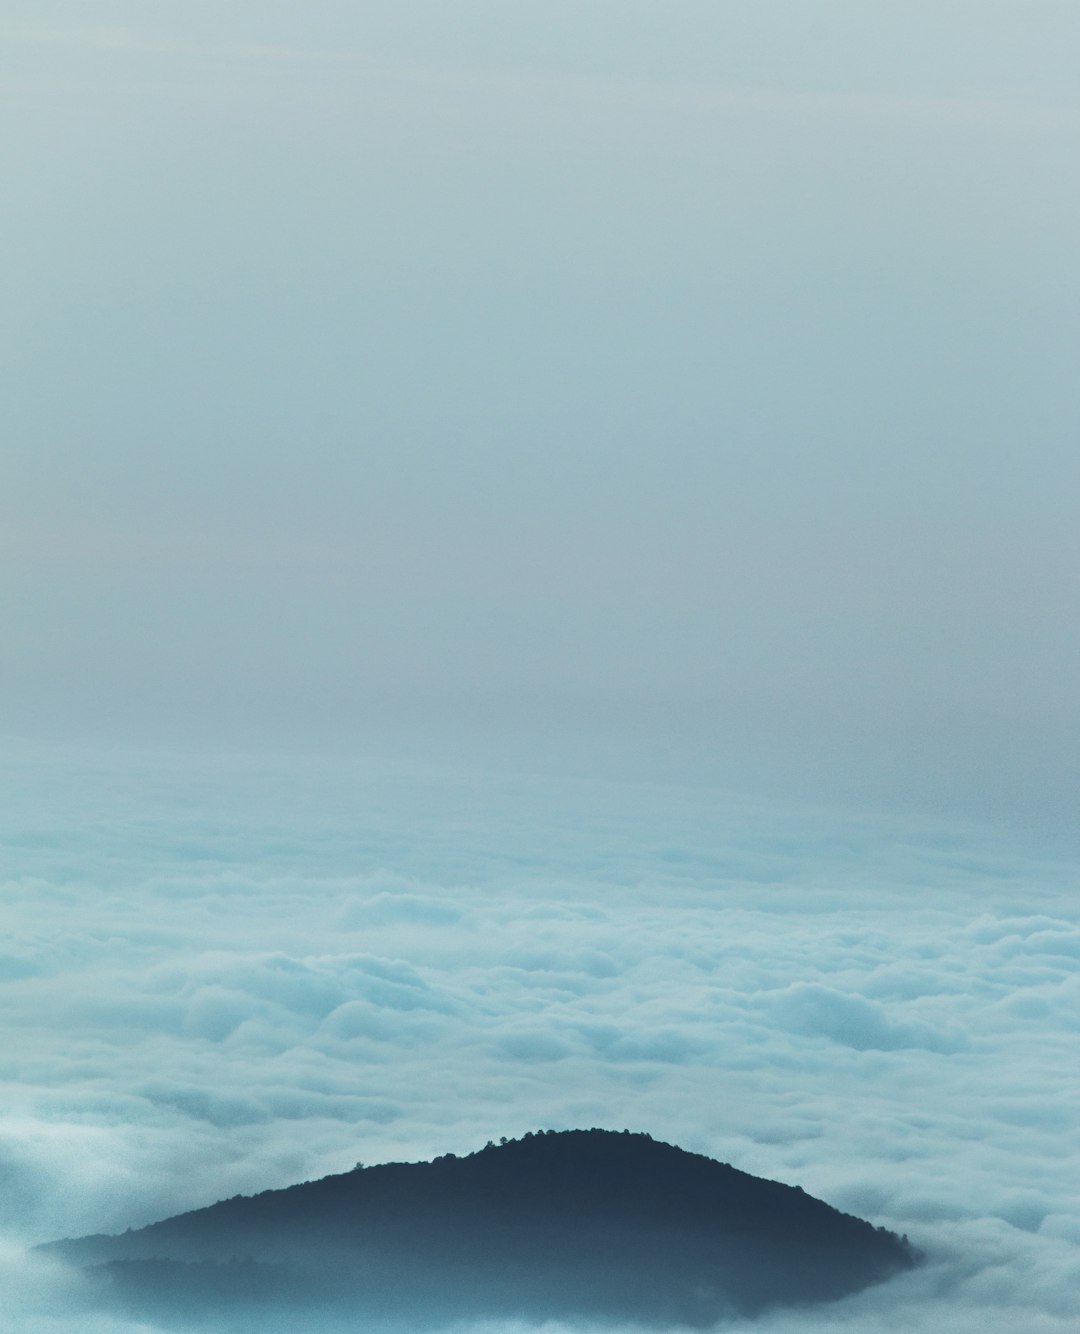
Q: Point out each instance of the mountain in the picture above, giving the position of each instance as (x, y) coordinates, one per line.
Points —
(586, 1224)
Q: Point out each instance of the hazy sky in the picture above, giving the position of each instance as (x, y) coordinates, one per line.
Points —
(689, 383)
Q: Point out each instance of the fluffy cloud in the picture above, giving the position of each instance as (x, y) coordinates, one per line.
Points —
(854, 1021)
(228, 982)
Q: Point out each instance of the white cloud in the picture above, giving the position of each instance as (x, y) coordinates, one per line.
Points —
(372, 965)
(854, 1021)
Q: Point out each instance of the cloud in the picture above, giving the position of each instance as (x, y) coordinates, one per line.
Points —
(383, 909)
(879, 1011)
(853, 1021)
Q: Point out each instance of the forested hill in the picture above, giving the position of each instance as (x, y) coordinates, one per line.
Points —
(589, 1223)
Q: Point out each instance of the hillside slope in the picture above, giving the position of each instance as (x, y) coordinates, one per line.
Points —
(586, 1223)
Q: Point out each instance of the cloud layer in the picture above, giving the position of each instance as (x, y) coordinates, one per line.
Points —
(223, 981)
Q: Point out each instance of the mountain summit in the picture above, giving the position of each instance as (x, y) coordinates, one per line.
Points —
(588, 1224)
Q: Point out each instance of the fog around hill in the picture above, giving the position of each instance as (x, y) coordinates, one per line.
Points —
(220, 980)
(605, 1227)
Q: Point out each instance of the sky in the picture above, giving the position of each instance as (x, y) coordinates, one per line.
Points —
(539, 584)
(680, 388)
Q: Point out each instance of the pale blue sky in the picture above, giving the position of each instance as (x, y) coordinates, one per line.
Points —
(687, 384)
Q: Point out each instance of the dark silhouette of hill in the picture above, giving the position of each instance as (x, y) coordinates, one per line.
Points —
(590, 1224)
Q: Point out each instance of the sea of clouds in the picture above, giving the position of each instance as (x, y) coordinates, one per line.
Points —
(223, 977)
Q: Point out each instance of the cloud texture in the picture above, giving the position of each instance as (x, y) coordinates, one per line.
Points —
(220, 981)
